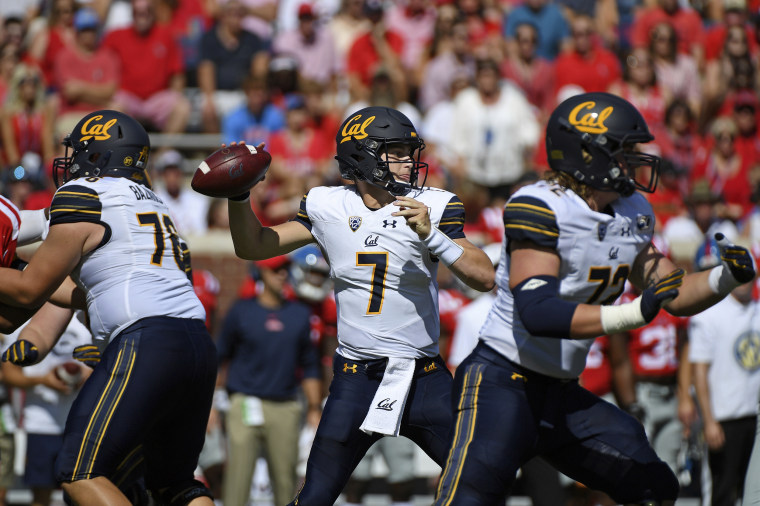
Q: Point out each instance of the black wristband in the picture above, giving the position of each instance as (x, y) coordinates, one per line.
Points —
(241, 197)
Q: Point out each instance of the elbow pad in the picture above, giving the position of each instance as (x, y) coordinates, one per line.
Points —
(542, 311)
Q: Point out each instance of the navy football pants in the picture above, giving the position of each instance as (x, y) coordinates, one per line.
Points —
(339, 444)
(505, 415)
(145, 406)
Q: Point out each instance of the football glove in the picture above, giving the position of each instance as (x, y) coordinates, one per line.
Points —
(21, 352)
(737, 258)
(88, 354)
(665, 290)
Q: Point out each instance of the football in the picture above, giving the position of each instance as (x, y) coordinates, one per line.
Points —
(69, 372)
(231, 170)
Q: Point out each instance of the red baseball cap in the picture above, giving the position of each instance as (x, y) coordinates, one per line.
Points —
(273, 263)
(306, 10)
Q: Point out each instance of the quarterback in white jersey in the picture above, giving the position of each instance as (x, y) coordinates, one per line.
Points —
(383, 237)
(147, 401)
(571, 242)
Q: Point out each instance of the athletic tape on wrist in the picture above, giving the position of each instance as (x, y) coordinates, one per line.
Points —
(721, 280)
(443, 247)
(623, 317)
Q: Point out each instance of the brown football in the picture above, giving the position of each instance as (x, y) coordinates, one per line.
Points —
(231, 170)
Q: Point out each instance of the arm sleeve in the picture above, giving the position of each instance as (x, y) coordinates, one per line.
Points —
(531, 219)
(452, 219)
(75, 203)
(303, 216)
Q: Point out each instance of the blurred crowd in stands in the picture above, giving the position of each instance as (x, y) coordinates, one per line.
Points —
(477, 77)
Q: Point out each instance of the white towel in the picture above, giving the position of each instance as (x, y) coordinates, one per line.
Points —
(387, 407)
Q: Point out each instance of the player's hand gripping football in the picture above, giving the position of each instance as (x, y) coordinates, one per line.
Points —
(21, 352)
(415, 213)
(659, 294)
(737, 259)
(88, 354)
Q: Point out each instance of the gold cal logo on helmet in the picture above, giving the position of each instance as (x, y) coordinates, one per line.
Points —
(351, 129)
(97, 131)
(590, 122)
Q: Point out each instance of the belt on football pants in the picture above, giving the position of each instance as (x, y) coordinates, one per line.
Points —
(424, 365)
(485, 351)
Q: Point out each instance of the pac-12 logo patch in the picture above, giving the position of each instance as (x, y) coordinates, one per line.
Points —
(354, 222)
(644, 222)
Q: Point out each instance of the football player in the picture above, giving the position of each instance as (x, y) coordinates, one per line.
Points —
(150, 394)
(383, 237)
(571, 242)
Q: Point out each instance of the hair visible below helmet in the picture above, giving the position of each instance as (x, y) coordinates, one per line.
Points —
(104, 143)
(592, 137)
(310, 272)
(363, 140)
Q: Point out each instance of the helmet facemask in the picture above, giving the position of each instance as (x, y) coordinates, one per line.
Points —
(375, 167)
(615, 163)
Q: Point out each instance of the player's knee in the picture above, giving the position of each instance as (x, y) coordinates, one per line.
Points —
(183, 494)
(648, 484)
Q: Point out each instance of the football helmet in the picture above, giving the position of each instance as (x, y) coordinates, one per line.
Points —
(310, 273)
(592, 136)
(104, 143)
(364, 138)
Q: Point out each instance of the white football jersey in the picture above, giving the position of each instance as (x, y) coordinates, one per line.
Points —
(385, 277)
(597, 251)
(138, 270)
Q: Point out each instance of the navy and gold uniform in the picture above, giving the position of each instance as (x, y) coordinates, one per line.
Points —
(145, 407)
(517, 394)
(387, 301)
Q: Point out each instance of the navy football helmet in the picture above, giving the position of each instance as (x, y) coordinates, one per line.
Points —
(364, 138)
(592, 136)
(311, 273)
(104, 143)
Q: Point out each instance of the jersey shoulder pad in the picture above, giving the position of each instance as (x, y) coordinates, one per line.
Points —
(529, 217)
(75, 203)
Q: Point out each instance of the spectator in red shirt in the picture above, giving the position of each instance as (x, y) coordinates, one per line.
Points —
(735, 14)
(58, 33)
(588, 65)
(685, 20)
(379, 47)
(639, 86)
(25, 121)
(533, 74)
(725, 170)
(152, 71)
(85, 74)
(745, 108)
(679, 140)
(301, 159)
(732, 72)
